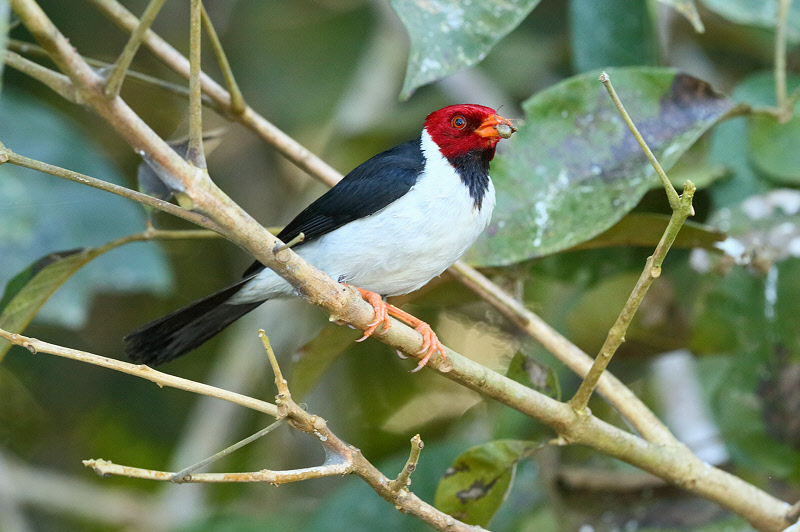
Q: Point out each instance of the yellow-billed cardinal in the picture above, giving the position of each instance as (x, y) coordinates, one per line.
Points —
(390, 226)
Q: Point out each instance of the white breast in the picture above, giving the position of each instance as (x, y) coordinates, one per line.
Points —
(401, 247)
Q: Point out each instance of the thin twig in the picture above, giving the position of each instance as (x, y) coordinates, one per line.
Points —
(672, 194)
(105, 468)
(57, 82)
(181, 476)
(195, 153)
(117, 76)
(616, 393)
(140, 370)
(237, 101)
(6, 155)
(681, 210)
(403, 479)
(286, 145)
(280, 382)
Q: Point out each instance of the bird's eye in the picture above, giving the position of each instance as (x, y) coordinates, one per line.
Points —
(458, 122)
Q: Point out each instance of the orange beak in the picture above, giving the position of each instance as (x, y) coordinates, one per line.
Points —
(495, 126)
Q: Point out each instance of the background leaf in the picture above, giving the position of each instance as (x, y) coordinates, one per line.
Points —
(474, 487)
(608, 33)
(646, 229)
(574, 169)
(448, 36)
(756, 13)
(32, 287)
(42, 213)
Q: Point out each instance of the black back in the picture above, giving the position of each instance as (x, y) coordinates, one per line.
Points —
(370, 187)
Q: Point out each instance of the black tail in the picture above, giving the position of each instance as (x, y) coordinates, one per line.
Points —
(181, 331)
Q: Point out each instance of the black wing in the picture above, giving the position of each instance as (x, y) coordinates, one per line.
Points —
(370, 187)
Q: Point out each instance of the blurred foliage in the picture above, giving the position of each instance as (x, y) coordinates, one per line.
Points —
(578, 213)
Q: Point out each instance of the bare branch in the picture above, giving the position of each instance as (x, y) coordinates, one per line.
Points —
(195, 153)
(403, 479)
(681, 210)
(142, 371)
(237, 100)
(6, 155)
(114, 82)
(619, 395)
(57, 82)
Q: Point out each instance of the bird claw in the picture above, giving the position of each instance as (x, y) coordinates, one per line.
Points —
(430, 344)
(381, 315)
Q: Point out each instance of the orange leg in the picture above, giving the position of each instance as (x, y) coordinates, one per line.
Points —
(430, 343)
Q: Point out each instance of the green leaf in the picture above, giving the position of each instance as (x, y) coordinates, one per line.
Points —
(475, 486)
(42, 213)
(32, 287)
(773, 146)
(574, 169)
(608, 33)
(646, 229)
(688, 9)
(756, 13)
(527, 371)
(448, 36)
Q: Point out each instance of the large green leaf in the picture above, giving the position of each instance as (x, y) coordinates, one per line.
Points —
(42, 213)
(448, 35)
(646, 229)
(608, 33)
(32, 287)
(757, 13)
(475, 486)
(574, 169)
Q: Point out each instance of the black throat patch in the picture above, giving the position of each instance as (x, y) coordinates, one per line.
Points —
(473, 168)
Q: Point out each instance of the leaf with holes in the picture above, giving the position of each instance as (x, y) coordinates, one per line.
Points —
(448, 36)
(475, 486)
(574, 169)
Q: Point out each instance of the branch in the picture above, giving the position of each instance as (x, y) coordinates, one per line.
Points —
(161, 379)
(8, 156)
(346, 458)
(287, 146)
(681, 210)
(674, 463)
(114, 82)
(55, 81)
(617, 394)
(403, 479)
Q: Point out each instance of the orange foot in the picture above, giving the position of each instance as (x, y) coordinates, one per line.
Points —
(430, 343)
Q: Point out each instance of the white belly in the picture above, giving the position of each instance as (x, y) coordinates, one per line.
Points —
(400, 248)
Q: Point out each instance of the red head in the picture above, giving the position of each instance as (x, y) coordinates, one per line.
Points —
(459, 129)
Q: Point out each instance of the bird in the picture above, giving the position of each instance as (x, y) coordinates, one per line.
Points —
(388, 227)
